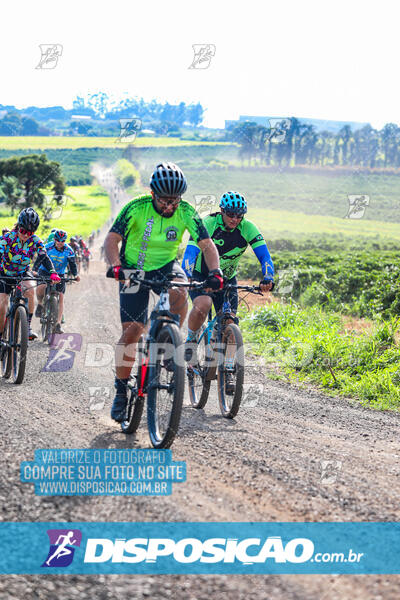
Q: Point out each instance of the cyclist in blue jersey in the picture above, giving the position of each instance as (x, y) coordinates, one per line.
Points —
(62, 256)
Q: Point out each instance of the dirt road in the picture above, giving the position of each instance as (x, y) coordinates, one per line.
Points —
(266, 465)
(291, 455)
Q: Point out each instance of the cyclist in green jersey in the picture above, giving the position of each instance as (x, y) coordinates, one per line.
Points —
(150, 229)
(232, 233)
(51, 235)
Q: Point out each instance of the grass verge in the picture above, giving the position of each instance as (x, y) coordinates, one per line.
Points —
(312, 346)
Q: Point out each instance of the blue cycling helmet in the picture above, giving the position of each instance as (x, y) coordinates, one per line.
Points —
(60, 236)
(168, 181)
(233, 202)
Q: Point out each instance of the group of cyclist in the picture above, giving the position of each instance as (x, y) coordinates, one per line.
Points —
(146, 236)
(81, 250)
(18, 247)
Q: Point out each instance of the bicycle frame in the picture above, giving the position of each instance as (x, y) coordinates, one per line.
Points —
(159, 315)
(217, 323)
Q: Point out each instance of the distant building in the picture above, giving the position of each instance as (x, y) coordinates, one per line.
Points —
(80, 117)
(319, 124)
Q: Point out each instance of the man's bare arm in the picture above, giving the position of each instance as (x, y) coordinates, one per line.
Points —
(210, 253)
(111, 249)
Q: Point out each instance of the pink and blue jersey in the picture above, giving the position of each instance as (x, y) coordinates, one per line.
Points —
(16, 256)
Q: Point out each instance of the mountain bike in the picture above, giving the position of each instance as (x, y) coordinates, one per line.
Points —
(49, 317)
(220, 356)
(160, 363)
(14, 343)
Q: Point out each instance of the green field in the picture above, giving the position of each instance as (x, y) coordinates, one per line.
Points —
(56, 142)
(87, 210)
(283, 224)
(308, 193)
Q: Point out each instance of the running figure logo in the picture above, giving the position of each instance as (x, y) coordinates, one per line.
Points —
(129, 129)
(62, 353)
(53, 206)
(98, 396)
(203, 54)
(50, 55)
(205, 204)
(62, 547)
(357, 206)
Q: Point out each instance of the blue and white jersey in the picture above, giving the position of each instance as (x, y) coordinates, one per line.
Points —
(60, 259)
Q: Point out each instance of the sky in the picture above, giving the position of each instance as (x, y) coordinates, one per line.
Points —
(325, 60)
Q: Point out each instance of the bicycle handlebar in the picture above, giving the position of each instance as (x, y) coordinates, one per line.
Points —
(18, 279)
(255, 289)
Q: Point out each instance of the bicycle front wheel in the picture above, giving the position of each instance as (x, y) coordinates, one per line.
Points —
(20, 344)
(134, 409)
(166, 384)
(6, 350)
(52, 316)
(199, 384)
(231, 371)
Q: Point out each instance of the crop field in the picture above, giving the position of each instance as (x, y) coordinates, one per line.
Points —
(290, 225)
(58, 142)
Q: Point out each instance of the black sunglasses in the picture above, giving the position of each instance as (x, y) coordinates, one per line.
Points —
(233, 215)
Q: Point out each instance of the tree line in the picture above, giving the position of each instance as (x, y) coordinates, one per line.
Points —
(290, 142)
(27, 180)
(163, 117)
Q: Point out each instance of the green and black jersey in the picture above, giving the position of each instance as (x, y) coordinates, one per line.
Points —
(231, 244)
(149, 240)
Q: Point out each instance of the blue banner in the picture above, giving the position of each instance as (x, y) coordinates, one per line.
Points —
(209, 548)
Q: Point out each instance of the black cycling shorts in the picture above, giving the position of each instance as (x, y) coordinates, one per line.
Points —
(133, 306)
(6, 285)
(218, 297)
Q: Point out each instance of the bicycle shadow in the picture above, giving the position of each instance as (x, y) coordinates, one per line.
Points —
(115, 439)
(193, 420)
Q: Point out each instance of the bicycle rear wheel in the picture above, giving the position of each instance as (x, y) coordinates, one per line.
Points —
(231, 365)
(6, 351)
(20, 344)
(166, 386)
(199, 385)
(134, 409)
